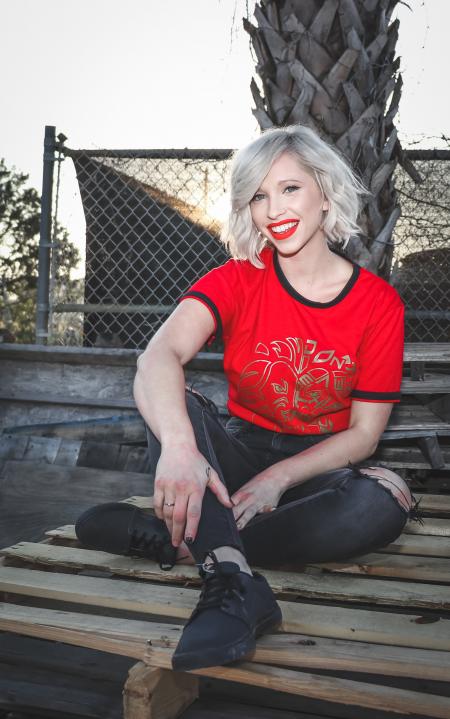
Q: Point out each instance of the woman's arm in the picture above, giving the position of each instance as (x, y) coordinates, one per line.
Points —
(159, 391)
(367, 423)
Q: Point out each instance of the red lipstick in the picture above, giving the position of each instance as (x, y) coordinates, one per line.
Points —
(289, 227)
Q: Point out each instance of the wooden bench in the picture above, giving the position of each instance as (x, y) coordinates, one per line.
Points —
(383, 614)
(46, 390)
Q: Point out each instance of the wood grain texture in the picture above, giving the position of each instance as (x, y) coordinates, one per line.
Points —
(155, 639)
(177, 602)
(424, 569)
(287, 680)
(425, 351)
(312, 584)
(151, 693)
(330, 688)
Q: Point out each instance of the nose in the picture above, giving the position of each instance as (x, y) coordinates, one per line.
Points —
(275, 207)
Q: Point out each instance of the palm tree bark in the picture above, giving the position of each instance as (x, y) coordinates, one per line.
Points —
(331, 65)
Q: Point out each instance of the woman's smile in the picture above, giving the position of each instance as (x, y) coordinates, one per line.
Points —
(284, 229)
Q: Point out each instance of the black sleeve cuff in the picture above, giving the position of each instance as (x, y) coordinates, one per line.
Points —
(376, 396)
(207, 301)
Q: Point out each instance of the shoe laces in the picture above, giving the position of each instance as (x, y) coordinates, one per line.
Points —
(219, 586)
(152, 546)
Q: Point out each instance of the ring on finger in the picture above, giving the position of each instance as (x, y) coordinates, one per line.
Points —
(169, 504)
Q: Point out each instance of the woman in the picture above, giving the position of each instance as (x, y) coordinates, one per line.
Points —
(313, 356)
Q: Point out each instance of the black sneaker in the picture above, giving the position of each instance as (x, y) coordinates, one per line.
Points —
(120, 528)
(233, 609)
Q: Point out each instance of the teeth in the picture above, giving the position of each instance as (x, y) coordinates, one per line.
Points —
(283, 228)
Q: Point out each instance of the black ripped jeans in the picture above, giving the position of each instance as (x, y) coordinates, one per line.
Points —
(333, 516)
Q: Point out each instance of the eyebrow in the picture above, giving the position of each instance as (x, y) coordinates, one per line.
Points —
(283, 182)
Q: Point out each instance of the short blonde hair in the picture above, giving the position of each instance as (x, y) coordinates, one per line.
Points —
(250, 165)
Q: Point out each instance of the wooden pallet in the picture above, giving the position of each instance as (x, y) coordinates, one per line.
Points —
(383, 614)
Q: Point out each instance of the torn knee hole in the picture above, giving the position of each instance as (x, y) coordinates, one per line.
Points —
(398, 494)
(398, 489)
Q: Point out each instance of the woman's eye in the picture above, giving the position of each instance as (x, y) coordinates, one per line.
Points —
(291, 188)
(259, 196)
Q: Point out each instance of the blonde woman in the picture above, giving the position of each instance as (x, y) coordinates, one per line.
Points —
(313, 348)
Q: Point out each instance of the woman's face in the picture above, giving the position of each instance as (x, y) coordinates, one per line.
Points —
(288, 206)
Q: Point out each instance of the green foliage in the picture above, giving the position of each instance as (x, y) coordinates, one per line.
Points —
(19, 247)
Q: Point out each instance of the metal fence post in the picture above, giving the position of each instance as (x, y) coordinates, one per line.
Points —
(45, 236)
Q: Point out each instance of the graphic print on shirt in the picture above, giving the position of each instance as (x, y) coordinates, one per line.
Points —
(294, 384)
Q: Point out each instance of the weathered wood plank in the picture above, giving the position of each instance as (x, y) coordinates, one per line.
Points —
(96, 385)
(71, 453)
(426, 351)
(107, 634)
(23, 698)
(177, 603)
(434, 503)
(290, 650)
(27, 653)
(419, 545)
(430, 384)
(425, 569)
(287, 680)
(154, 693)
(343, 691)
(316, 583)
(213, 387)
(104, 356)
(410, 457)
(21, 416)
(106, 440)
(56, 476)
(312, 584)
(127, 428)
(430, 526)
(67, 400)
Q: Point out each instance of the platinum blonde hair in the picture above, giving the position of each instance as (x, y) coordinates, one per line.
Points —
(250, 165)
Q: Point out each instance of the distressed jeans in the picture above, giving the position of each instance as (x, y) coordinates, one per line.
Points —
(333, 516)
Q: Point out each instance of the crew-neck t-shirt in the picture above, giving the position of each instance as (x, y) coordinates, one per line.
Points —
(294, 365)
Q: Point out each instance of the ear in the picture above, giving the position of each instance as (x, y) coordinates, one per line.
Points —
(325, 206)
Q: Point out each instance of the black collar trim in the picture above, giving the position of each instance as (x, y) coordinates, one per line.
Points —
(310, 303)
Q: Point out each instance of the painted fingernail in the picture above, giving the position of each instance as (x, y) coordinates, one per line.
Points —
(188, 540)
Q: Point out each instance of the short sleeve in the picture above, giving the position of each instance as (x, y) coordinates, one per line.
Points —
(218, 290)
(380, 355)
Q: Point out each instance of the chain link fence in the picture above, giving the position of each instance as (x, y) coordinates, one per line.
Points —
(152, 228)
(421, 269)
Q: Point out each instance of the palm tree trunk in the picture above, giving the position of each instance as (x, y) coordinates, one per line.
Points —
(331, 65)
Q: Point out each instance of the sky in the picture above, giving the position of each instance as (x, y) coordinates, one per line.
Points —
(171, 73)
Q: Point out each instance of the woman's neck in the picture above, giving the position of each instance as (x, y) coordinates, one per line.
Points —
(311, 265)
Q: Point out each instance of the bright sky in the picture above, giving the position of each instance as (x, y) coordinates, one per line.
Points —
(168, 73)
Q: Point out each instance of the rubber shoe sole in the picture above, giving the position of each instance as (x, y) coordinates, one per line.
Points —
(235, 651)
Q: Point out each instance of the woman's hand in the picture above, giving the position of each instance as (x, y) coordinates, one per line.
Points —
(182, 475)
(260, 494)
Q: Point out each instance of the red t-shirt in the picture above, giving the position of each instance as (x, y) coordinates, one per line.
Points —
(294, 365)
